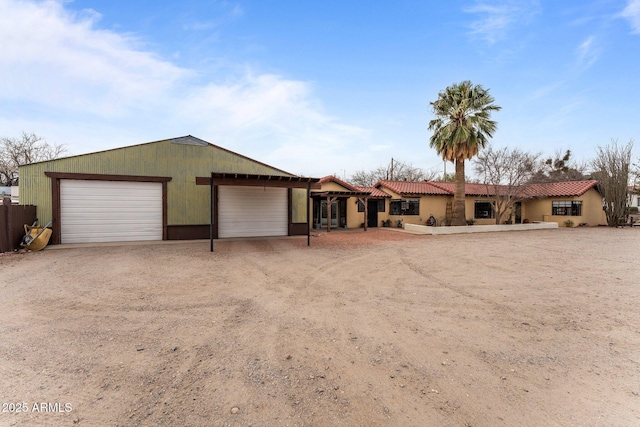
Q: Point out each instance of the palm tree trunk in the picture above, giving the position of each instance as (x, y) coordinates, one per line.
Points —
(459, 214)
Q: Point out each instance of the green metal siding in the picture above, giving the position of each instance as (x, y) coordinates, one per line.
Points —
(187, 203)
(299, 203)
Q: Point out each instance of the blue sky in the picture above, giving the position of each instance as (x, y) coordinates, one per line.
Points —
(318, 87)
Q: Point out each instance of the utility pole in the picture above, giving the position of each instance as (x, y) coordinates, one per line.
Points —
(392, 169)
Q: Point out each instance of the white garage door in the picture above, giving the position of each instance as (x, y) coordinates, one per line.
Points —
(110, 211)
(252, 211)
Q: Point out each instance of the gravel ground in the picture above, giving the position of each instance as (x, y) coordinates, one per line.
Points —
(361, 329)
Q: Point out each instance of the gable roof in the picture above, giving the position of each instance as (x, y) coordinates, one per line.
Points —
(560, 189)
(340, 182)
(182, 140)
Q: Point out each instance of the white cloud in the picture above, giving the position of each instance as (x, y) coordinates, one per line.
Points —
(632, 14)
(588, 52)
(96, 89)
(496, 18)
(54, 58)
(277, 118)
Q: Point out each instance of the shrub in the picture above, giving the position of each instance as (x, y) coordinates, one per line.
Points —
(568, 223)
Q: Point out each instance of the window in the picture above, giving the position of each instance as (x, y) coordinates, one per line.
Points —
(404, 207)
(483, 210)
(566, 208)
(380, 206)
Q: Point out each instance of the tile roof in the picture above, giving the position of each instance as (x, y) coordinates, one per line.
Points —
(560, 189)
(547, 189)
(409, 188)
(470, 189)
(338, 181)
(413, 188)
(375, 192)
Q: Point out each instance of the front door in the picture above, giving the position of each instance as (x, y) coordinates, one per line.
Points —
(372, 213)
(518, 213)
(323, 214)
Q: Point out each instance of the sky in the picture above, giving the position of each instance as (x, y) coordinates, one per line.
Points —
(318, 87)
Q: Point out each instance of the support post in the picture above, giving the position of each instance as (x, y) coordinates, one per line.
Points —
(328, 214)
(366, 212)
(211, 211)
(309, 217)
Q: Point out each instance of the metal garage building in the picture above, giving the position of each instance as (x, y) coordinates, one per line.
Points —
(149, 192)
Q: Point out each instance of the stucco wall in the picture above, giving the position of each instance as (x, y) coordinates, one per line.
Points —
(470, 206)
(354, 218)
(592, 213)
(429, 205)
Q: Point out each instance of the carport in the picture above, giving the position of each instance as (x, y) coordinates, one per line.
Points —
(270, 184)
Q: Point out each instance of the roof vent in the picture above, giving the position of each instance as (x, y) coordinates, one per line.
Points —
(189, 140)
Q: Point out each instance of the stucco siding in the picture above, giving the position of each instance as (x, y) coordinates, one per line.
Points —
(333, 186)
(429, 205)
(354, 218)
(592, 213)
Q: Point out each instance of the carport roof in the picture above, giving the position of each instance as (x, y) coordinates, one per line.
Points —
(255, 180)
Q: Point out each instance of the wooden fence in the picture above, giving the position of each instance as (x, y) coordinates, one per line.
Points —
(12, 221)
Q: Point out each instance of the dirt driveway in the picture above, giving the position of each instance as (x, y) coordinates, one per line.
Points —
(537, 328)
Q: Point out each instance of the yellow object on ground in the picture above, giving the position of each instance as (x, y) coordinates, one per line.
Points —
(38, 237)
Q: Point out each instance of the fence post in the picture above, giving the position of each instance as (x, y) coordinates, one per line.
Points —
(5, 241)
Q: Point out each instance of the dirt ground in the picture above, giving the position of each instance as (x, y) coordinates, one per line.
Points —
(535, 328)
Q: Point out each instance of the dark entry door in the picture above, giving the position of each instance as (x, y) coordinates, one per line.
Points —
(518, 212)
(372, 213)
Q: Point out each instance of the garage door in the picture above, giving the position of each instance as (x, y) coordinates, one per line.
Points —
(252, 211)
(110, 211)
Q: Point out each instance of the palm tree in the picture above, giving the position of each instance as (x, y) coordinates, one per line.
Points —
(461, 127)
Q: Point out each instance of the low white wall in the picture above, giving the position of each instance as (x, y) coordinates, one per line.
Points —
(423, 229)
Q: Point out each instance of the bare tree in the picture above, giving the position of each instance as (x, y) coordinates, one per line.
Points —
(612, 167)
(451, 177)
(560, 167)
(394, 171)
(505, 172)
(29, 148)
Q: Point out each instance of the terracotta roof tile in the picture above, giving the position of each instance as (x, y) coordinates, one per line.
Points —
(548, 189)
(413, 188)
(408, 188)
(375, 192)
(560, 189)
(470, 189)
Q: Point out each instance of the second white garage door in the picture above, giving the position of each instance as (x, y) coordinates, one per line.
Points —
(252, 211)
(110, 211)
